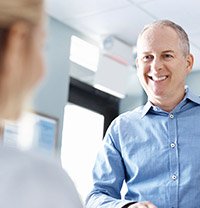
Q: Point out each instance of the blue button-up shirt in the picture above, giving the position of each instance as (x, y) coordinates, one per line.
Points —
(156, 153)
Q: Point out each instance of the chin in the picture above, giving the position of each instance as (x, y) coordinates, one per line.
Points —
(158, 92)
(158, 95)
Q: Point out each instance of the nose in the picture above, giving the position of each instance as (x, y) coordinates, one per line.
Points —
(156, 64)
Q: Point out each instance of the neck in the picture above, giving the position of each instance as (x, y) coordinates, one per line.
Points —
(167, 104)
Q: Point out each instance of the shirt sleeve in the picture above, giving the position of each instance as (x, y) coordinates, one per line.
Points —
(108, 175)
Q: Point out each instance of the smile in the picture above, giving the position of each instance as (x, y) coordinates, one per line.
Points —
(156, 79)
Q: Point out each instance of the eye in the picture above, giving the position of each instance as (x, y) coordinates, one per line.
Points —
(147, 58)
(168, 56)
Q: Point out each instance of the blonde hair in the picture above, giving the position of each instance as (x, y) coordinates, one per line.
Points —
(15, 10)
(12, 11)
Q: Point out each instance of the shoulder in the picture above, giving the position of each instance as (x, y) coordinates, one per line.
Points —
(125, 122)
(130, 116)
(37, 179)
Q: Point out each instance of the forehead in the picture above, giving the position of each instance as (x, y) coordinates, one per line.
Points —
(158, 38)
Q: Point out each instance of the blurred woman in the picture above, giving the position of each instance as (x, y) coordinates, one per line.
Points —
(26, 180)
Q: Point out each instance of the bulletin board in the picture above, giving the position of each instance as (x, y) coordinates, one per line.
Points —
(33, 130)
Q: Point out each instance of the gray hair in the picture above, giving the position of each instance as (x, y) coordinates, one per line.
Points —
(184, 40)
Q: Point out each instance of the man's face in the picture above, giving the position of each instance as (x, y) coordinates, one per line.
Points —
(162, 66)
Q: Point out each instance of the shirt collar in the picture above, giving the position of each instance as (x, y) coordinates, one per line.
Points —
(146, 108)
(189, 95)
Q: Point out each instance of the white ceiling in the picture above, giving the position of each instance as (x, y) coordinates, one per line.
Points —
(125, 18)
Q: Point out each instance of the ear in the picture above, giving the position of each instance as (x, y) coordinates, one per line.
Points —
(190, 62)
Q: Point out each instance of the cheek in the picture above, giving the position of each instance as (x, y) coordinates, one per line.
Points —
(142, 78)
(142, 72)
(180, 71)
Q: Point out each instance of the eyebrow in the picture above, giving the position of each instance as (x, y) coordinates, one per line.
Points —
(149, 52)
(146, 52)
(168, 51)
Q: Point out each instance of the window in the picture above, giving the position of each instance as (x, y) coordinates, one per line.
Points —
(82, 135)
(84, 53)
(87, 116)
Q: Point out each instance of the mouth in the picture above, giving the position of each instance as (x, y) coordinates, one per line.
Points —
(158, 79)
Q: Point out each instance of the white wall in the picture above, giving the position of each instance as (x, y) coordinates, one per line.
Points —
(193, 81)
(51, 97)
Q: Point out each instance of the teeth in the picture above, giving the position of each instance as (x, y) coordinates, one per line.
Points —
(161, 78)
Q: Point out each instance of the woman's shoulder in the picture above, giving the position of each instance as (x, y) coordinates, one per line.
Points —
(40, 178)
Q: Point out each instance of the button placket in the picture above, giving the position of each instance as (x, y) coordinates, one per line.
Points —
(173, 157)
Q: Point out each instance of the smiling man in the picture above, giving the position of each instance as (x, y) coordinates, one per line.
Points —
(163, 63)
(154, 149)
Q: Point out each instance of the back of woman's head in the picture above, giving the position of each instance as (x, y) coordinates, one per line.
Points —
(14, 10)
(21, 61)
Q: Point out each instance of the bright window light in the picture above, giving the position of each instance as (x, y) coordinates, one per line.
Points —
(84, 53)
(81, 140)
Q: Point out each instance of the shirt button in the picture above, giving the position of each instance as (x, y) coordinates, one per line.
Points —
(174, 177)
(173, 145)
(171, 115)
